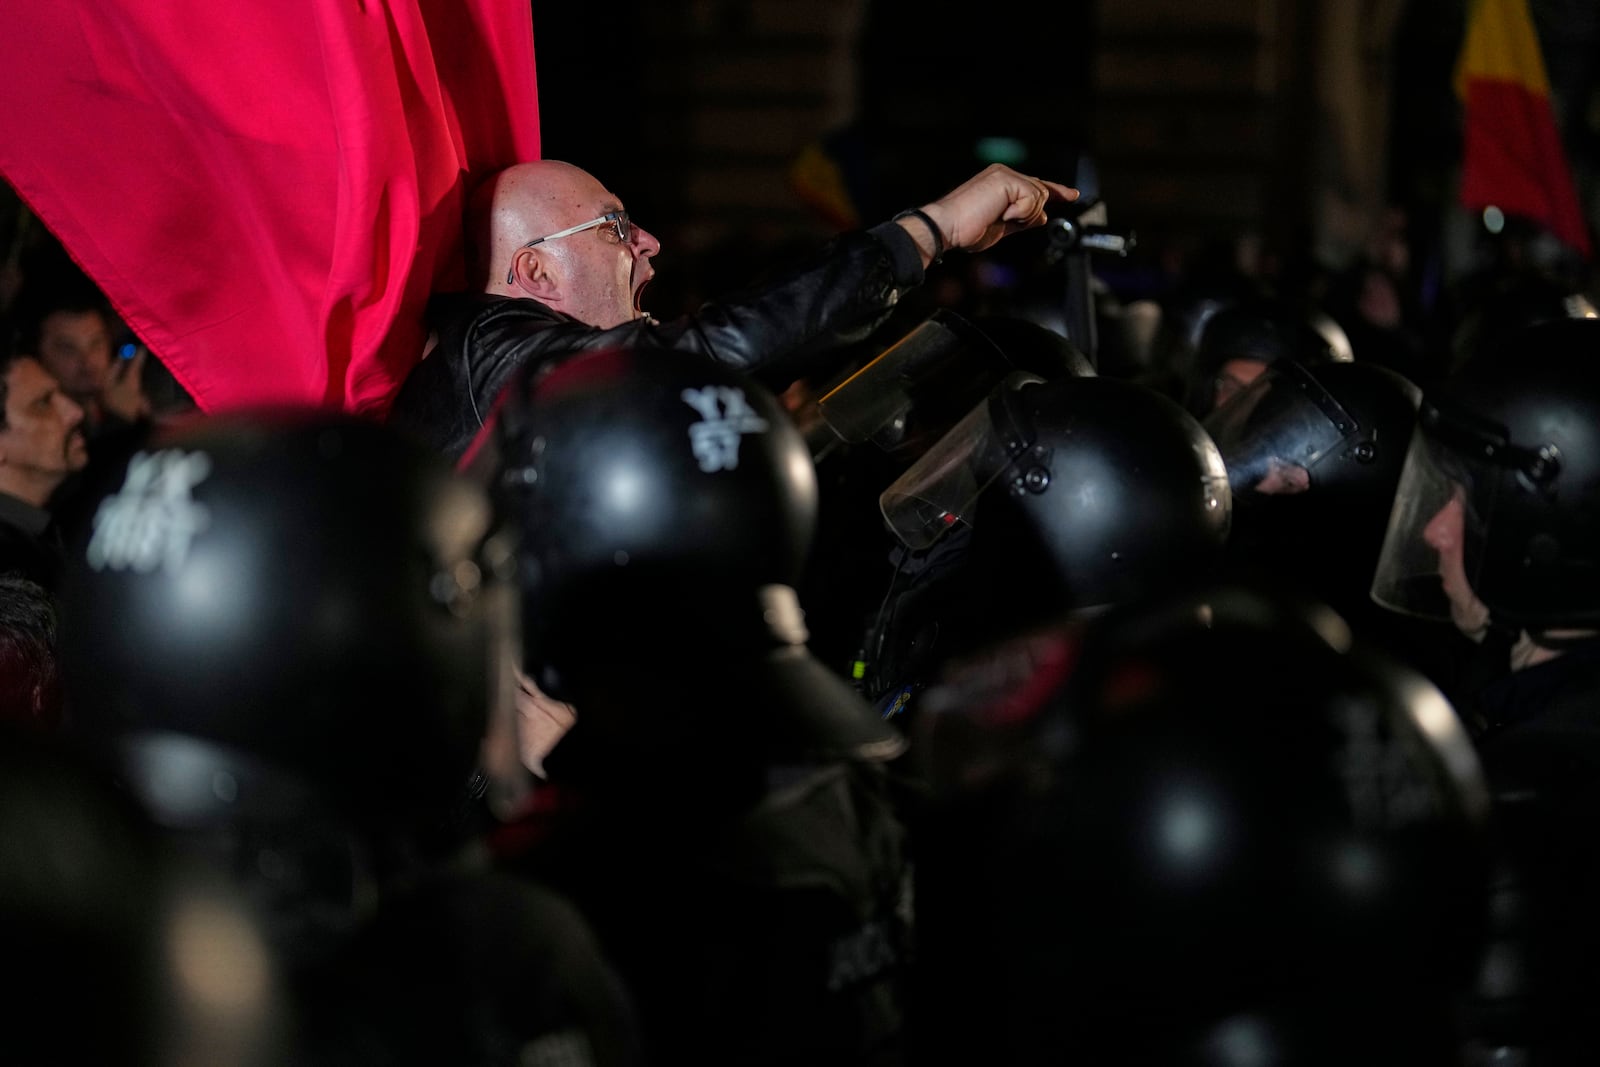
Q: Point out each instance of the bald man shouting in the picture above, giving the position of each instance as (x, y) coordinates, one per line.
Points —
(561, 267)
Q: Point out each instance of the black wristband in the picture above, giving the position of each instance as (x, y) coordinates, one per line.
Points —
(905, 258)
(938, 238)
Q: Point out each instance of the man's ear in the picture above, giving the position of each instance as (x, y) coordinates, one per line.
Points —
(532, 274)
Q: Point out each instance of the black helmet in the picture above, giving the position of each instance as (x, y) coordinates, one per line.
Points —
(1261, 331)
(1096, 489)
(1208, 287)
(1335, 428)
(1507, 456)
(1229, 818)
(1314, 455)
(666, 506)
(1523, 298)
(1035, 348)
(300, 588)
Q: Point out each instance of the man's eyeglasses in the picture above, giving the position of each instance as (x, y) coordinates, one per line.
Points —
(616, 220)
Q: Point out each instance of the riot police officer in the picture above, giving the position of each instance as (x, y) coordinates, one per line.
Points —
(1049, 497)
(283, 629)
(1495, 529)
(1241, 340)
(1205, 828)
(728, 823)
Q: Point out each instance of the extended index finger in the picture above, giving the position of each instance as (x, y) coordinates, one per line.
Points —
(1028, 209)
(1059, 191)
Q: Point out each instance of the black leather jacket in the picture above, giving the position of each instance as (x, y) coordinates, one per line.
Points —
(786, 329)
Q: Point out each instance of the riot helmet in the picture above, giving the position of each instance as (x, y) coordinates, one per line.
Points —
(1101, 490)
(1209, 285)
(1314, 455)
(1229, 816)
(299, 595)
(1239, 341)
(1034, 347)
(1523, 298)
(1500, 496)
(665, 506)
(1335, 428)
(902, 404)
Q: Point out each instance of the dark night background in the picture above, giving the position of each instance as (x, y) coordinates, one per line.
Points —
(1287, 132)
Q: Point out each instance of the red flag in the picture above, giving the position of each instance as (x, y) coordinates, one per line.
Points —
(1512, 156)
(267, 192)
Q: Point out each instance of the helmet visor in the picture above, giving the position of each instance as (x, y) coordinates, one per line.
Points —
(1435, 539)
(941, 488)
(1274, 433)
(916, 389)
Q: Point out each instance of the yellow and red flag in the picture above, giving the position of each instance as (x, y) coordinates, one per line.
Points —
(1512, 157)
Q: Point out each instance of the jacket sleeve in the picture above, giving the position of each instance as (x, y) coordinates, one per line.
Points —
(792, 326)
(789, 327)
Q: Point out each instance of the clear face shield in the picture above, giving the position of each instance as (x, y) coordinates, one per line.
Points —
(1437, 529)
(911, 394)
(1274, 433)
(941, 489)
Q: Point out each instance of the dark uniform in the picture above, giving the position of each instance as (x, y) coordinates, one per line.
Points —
(727, 823)
(281, 631)
(1200, 829)
(1501, 491)
(1051, 497)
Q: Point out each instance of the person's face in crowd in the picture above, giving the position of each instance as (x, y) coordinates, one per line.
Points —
(1445, 534)
(75, 347)
(1233, 378)
(601, 278)
(1379, 302)
(1284, 479)
(43, 438)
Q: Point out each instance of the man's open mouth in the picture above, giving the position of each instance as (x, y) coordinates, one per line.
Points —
(638, 296)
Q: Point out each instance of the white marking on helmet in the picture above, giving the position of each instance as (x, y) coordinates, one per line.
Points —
(153, 520)
(725, 417)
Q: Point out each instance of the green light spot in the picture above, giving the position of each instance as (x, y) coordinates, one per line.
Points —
(1007, 150)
